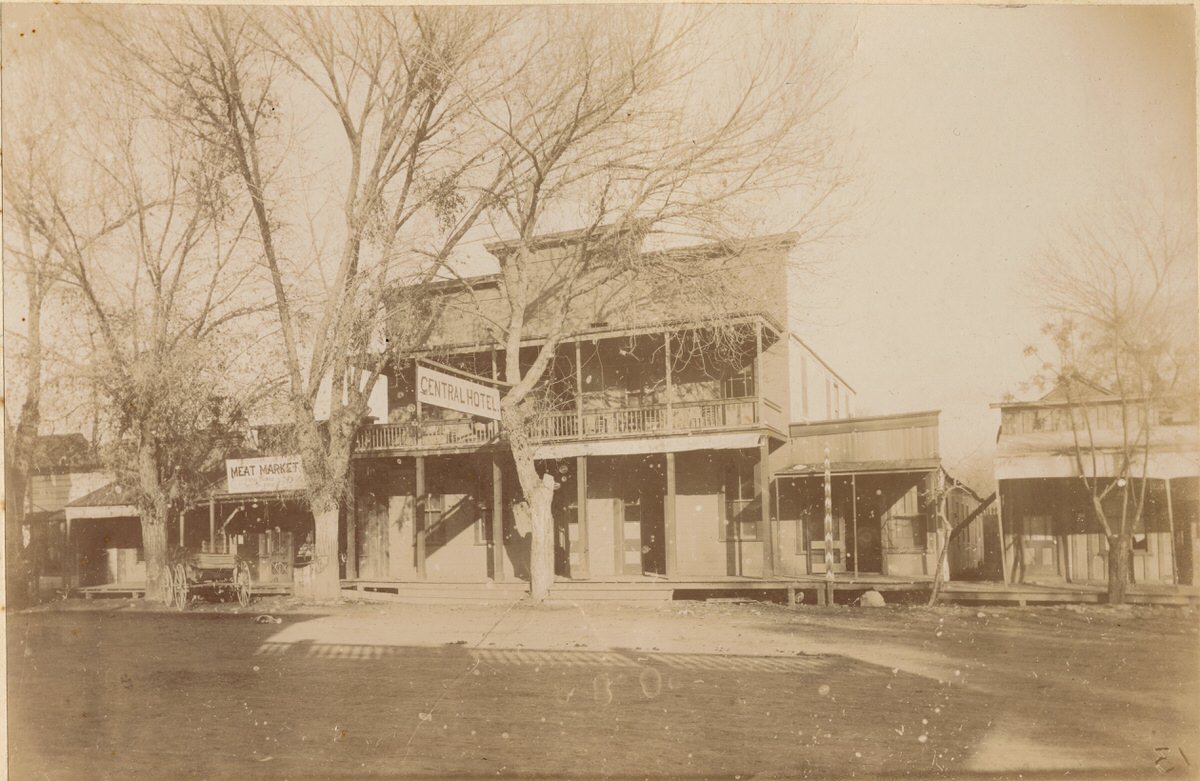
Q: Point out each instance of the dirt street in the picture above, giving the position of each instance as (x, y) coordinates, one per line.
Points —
(118, 690)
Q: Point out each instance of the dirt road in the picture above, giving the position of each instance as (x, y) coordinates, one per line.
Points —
(685, 690)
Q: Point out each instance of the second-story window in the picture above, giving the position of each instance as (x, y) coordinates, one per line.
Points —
(740, 384)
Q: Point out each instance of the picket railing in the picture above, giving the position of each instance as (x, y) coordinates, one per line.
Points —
(566, 425)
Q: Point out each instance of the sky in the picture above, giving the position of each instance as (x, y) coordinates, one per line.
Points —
(979, 133)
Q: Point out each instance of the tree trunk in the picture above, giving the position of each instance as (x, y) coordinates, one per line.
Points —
(1120, 567)
(324, 584)
(154, 548)
(538, 497)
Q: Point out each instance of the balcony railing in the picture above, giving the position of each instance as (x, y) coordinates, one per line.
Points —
(684, 417)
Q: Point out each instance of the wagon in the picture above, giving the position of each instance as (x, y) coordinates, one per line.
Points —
(190, 573)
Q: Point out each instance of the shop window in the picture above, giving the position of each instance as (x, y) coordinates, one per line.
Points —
(906, 532)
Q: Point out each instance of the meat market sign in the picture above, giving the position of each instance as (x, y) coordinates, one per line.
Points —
(456, 393)
(264, 475)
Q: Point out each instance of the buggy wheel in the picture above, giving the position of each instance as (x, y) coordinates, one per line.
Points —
(241, 583)
(168, 585)
(181, 586)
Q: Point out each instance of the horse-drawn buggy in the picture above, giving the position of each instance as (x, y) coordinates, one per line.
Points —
(195, 572)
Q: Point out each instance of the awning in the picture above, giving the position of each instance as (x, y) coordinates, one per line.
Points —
(1174, 452)
(107, 511)
(106, 502)
(1161, 466)
(678, 444)
(882, 466)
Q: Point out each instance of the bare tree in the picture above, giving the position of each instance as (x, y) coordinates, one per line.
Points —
(1120, 291)
(387, 84)
(624, 127)
(149, 253)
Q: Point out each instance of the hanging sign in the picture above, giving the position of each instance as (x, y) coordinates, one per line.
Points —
(264, 475)
(446, 390)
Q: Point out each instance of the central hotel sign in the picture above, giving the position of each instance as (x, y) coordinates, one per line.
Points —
(446, 390)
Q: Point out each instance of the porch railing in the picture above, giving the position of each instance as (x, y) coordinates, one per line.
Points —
(685, 416)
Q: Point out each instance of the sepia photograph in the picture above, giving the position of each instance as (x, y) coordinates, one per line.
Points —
(600, 391)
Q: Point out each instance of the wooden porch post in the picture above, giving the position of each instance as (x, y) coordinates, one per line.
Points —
(1171, 528)
(764, 492)
(669, 508)
(581, 500)
(212, 522)
(854, 516)
(182, 515)
(578, 390)
(419, 512)
(1003, 541)
(497, 519)
(670, 385)
(758, 374)
(352, 526)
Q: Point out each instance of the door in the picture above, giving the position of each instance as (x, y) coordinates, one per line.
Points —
(629, 548)
(816, 541)
(1039, 548)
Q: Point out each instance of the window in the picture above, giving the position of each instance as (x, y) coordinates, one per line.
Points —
(435, 506)
(740, 384)
(837, 399)
(743, 509)
(483, 525)
(906, 532)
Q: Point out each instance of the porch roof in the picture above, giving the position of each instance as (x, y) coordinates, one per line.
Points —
(108, 501)
(1174, 452)
(736, 440)
(861, 467)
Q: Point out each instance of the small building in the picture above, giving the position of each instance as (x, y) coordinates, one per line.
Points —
(885, 473)
(103, 541)
(64, 468)
(1045, 449)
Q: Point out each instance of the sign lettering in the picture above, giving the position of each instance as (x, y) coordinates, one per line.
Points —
(264, 475)
(456, 393)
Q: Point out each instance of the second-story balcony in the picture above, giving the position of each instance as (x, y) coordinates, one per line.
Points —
(678, 418)
(611, 386)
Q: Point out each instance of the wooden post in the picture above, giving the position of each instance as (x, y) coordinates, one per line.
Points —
(212, 522)
(764, 493)
(828, 526)
(352, 526)
(182, 515)
(669, 380)
(497, 519)
(581, 496)
(578, 390)
(418, 428)
(758, 374)
(419, 512)
(1171, 528)
(1003, 542)
(669, 521)
(854, 516)
(805, 540)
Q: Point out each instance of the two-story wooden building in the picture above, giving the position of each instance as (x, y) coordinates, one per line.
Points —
(679, 454)
(1044, 447)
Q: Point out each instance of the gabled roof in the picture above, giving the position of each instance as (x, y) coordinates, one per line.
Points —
(1083, 391)
(111, 495)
